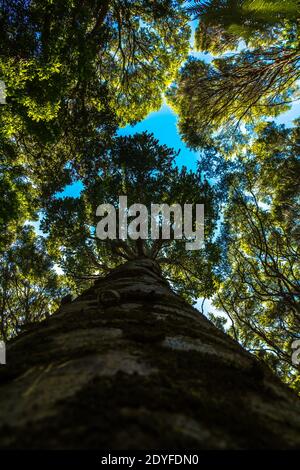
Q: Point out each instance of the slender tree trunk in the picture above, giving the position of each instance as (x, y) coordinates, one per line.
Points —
(129, 364)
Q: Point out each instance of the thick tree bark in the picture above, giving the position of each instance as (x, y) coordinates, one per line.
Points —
(129, 364)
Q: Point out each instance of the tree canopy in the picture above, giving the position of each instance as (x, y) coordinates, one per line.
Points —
(73, 73)
(144, 171)
(254, 72)
(259, 241)
(30, 288)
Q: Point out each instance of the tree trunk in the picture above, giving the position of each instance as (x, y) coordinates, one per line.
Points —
(129, 364)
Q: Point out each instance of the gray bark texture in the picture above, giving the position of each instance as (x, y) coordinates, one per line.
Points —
(130, 365)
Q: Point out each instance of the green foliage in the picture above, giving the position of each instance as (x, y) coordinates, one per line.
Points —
(68, 58)
(144, 171)
(75, 72)
(223, 24)
(217, 320)
(30, 289)
(260, 269)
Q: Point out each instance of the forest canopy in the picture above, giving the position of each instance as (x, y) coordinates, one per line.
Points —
(75, 73)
